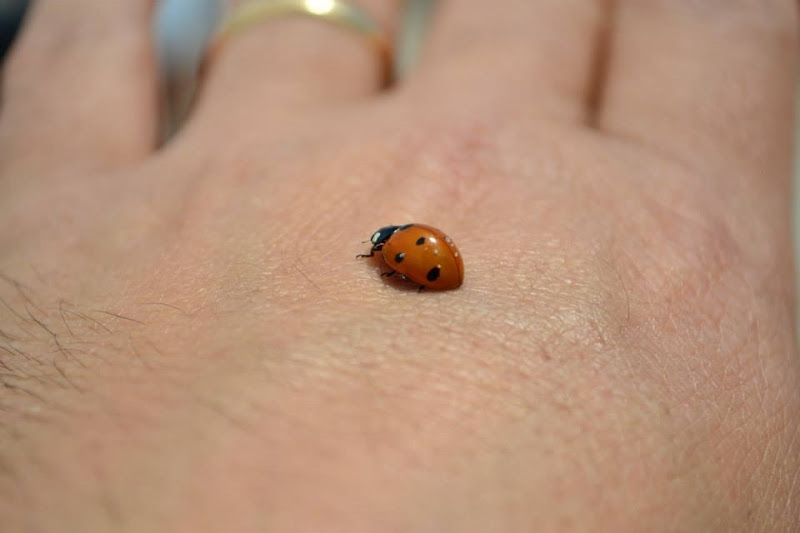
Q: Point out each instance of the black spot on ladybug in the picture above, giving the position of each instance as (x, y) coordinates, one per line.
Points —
(399, 257)
(433, 274)
(401, 228)
(420, 241)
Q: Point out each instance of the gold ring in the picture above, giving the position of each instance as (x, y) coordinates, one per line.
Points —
(336, 12)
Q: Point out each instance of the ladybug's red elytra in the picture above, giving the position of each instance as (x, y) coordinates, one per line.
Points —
(420, 253)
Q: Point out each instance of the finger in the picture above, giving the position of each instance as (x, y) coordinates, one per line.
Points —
(79, 89)
(288, 63)
(710, 83)
(517, 54)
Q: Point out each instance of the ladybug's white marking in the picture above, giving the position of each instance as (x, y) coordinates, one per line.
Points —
(375, 237)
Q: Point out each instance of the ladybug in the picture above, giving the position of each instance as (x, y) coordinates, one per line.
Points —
(420, 253)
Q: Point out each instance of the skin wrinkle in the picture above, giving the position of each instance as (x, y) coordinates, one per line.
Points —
(771, 460)
(782, 464)
(714, 282)
(731, 410)
(792, 450)
(598, 74)
(402, 335)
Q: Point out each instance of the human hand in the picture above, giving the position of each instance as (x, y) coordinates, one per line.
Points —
(187, 342)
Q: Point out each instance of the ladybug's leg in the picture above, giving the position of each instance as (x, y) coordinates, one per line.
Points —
(421, 288)
(388, 274)
(376, 248)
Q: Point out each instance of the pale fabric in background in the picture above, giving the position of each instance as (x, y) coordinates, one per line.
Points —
(181, 31)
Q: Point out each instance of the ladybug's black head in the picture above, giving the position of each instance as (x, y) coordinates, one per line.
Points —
(382, 235)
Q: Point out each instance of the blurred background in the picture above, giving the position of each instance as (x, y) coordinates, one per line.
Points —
(182, 29)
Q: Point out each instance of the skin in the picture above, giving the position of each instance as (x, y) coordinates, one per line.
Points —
(188, 344)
